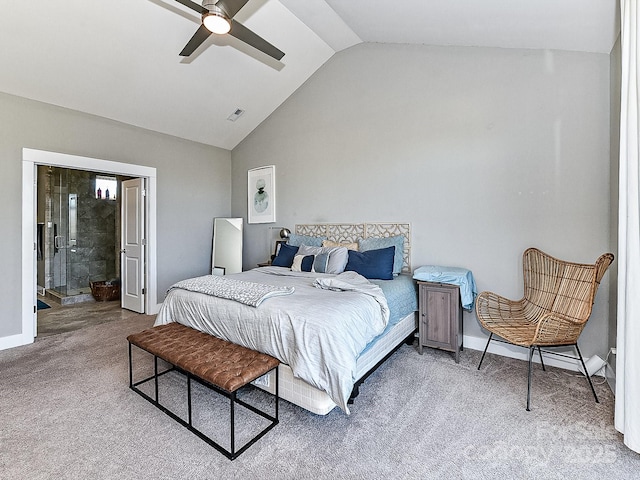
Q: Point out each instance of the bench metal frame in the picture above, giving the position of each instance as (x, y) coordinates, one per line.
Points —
(231, 454)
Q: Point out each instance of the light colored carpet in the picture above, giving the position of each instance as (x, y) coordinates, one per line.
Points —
(66, 412)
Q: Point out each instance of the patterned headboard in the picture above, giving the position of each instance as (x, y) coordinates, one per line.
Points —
(350, 232)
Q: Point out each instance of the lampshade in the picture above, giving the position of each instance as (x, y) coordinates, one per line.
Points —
(216, 23)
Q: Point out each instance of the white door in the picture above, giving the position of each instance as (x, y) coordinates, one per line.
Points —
(132, 245)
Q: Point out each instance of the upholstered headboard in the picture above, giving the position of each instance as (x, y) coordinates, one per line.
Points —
(350, 232)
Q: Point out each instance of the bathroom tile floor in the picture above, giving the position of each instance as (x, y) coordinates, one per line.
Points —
(66, 318)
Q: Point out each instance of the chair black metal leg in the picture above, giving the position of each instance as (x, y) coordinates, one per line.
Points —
(586, 374)
(531, 350)
(485, 351)
(541, 361)
(155, 375)
(130, 368)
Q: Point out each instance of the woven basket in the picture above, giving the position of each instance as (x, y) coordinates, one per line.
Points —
(105, 291)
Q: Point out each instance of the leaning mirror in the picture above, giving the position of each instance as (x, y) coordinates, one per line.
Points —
(226, 254)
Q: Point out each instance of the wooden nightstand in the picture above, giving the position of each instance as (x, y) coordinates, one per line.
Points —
(440, 317)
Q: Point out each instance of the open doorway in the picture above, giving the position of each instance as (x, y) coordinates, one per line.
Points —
(78, 247)
(33, 158)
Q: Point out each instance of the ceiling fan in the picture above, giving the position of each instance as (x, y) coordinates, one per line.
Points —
(217, 17)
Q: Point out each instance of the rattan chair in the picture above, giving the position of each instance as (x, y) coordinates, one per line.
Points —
(557, 302)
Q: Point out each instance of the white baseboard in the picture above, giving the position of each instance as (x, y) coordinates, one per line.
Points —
(521, 353)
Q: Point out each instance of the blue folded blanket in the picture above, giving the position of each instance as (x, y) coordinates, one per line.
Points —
(454, 275)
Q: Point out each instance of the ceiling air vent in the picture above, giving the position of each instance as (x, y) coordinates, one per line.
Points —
(235, 115)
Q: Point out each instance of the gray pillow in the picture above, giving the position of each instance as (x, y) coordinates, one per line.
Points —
(376, 243)
(338, 256)
(296, 240)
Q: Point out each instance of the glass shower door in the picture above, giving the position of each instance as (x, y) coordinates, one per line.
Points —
(60, 217)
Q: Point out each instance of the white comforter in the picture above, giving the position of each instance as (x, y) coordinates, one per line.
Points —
(318, 331)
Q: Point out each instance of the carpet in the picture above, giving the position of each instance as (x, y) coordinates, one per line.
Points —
(67, 413)
(42, 305)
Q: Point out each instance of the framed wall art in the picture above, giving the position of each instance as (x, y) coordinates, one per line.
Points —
(262, 194)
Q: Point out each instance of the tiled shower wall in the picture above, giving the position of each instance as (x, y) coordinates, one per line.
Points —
(94, 258)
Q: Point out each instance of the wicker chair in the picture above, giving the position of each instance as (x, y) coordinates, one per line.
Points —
(558, 297)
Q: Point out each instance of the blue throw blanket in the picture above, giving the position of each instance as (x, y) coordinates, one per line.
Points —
(454, 275)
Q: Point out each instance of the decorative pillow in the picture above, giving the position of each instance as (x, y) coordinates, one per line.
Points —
(375, 243)
(348, 246)
(338, 256)
(373, 264)
(285, 256)
(302, 263)
(297, 240)
(321, 263)
(310, 263)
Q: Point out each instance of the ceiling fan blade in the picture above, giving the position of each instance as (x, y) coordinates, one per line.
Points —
(200, 36)
(245, 35)
(231, 7)
(193, 6)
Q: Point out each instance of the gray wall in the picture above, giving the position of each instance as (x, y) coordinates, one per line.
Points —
(193, 182)
(484, 151)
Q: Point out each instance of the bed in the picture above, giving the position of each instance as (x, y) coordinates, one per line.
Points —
(329, 330)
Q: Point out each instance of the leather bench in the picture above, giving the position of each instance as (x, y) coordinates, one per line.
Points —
(220, 365)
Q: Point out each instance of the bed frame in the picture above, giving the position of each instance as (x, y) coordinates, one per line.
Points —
(298, 391)
(351, 232)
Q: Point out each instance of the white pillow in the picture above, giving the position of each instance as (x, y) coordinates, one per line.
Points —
(338, 256)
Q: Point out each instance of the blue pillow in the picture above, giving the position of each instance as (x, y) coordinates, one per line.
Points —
(372, 264)
(375, 243)
(307, 263)
(297, 240)
(321, 263)
(285, 256)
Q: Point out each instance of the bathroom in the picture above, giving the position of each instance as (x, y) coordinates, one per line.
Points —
(78, 233)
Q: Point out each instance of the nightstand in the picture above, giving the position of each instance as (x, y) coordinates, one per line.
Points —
(440, 317)
(265, 264)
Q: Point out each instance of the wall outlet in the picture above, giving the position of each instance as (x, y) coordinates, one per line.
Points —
(594, 365)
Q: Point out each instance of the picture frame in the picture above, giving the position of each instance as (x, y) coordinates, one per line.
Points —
(261, 194)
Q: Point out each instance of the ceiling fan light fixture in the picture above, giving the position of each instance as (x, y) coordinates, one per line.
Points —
(216, 22)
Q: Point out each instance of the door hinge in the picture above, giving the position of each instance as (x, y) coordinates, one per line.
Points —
(143, 291)
(35, 246)
(143, 242)
(144, 193)
(35, 309)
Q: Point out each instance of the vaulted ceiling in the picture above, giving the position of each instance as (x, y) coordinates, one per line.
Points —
(119, 58)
